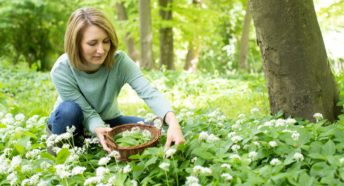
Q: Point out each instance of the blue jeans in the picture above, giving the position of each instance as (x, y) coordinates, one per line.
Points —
(69, 113)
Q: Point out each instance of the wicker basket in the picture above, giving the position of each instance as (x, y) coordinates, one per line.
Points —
(125, 152)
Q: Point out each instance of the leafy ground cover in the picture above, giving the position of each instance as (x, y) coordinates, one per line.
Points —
(231, 138)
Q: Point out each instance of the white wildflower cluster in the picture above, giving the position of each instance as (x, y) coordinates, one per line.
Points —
(295, 135)
(278, 123)
(252, 155)
(4, 164)
(185, 114)
(255, 110)
(235, 147)
(33, 180)
(235, 156)
(318, 117)
(89, 141)
(236, 138)
(227, 176)
(204, 136)
(104, 161)
(272, 144)
(170, 152)
(20, 117)
(164, 166)
(55, 139)
(126, 169)
(15, 162)
(226, 166)
(298, 156)
(12, 178)
(216, 116)
(275, 162)
(93, 180)
(62, 171)
(135, 130)
(114, 154)
(33, 154)
(201, 170)
(192, 181)
(341, 160)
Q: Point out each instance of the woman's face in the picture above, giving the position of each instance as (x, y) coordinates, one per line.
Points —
(95, 45)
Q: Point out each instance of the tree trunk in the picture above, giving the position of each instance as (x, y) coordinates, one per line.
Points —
(129, 41)
(299, 80)
(166, 35)
(192, 57)
(244, 42)
(146, 36)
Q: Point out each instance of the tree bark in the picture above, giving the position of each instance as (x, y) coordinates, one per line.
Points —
(146, 36)
(192, 57)
(244, 42)
(166, 35)
(299, 79)
(129, 40)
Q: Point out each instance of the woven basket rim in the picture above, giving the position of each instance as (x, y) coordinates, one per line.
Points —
(155, 138)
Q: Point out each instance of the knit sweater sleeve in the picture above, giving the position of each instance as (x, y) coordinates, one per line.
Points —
(133, 76)
(68, 90)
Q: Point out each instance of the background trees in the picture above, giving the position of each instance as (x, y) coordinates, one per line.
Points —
(207, 34)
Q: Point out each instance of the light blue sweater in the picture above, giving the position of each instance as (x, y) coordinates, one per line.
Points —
(97, 93)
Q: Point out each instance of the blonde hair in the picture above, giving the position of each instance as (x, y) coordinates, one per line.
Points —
(78, 21)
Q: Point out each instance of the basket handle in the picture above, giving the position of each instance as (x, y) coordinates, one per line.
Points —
(161, 120)
(109, 141)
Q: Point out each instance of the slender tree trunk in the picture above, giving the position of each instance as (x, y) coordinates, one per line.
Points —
(244, 42)
(146, 36)
(299, 79)
(192, 57)
(166, 35)
(129, 40)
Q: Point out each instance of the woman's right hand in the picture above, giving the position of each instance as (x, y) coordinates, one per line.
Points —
(101, 132)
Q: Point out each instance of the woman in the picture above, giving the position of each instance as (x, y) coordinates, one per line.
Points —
(90, 75)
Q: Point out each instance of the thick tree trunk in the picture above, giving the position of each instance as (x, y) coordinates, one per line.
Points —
(146, 36)
(298, 75)
(129, 41)
(244, 42)
(166, 35)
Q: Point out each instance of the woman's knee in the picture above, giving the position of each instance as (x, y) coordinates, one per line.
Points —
(67, 114)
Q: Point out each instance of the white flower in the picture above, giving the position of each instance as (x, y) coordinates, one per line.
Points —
(298, 156)
(212, 138)
(16, 161)
(318, 117)
(290, 121)
(275, 161)
(236, 139)
(33, 154)
(164, 166)
(295, 135)
(341, 160)
(229, 135)
(92, 180)
(115, 154)
(226, 166)
(112, 179)
(252, 154)
(62, 171)
(227, 176)
(12, 178)
(191, 180)
(101, 171)
(254, 110)
(280, 122)
(273, 144)
(134, 183)
(203, 136)
(43, 183)
(20, 117)
(194, 159)
(78, 170)
(169, 152)
(126, 169)
(235, 148)
(235, 156)
(269, 123)
(104, 161)
(70, 130)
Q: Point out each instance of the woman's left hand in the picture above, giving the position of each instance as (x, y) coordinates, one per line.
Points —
(174, 131)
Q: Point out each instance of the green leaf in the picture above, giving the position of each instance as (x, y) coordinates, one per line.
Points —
(151, 161)
(62, 155)
(317, 156)
(20, 148)
(305, 179)
(200, 152)
(329, 148)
